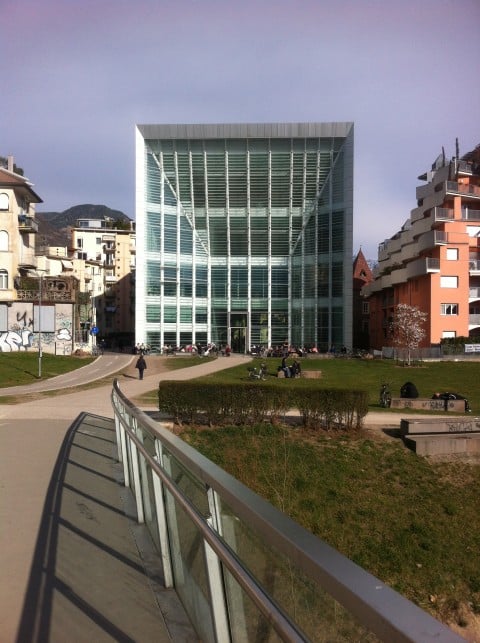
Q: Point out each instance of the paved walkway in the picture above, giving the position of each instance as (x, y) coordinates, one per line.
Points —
(72, 558)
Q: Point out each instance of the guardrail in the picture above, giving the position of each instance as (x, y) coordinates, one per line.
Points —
(243, 570)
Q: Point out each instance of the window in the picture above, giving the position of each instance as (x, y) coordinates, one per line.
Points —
(185, 315)
(449, 309)
(170, 314)
(4, 201)
(79, 242)
(365, 308)
(449, 334)
(3, 318)
(3, 280)
(201, 316)
(4, 240)
(448, 282)
(452, 254)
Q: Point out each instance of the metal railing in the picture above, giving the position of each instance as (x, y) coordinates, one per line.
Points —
(243, 570)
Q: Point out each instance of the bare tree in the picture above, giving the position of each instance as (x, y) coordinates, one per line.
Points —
(408, 328)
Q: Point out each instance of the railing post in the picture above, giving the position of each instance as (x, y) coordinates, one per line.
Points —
(218, 599)
(136, 476)
(124, 456)
(118, 429)
(162, 524)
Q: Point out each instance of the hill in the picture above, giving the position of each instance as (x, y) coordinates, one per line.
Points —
(54, 227)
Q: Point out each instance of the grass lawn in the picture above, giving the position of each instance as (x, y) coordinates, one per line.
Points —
(22, 367)
(429, 377)
(413, 523)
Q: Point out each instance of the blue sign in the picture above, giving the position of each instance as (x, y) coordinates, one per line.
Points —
(94, 330)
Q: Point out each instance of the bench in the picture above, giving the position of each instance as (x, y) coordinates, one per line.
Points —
(427, 404)
(441, 436)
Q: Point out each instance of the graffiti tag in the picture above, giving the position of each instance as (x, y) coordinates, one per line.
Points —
(13, 340)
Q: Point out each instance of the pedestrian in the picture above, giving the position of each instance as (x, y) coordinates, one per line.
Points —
(141, 365)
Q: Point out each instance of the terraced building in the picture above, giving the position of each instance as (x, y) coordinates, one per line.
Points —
(244, 234)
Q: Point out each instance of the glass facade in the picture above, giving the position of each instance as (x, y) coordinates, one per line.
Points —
(244, 234)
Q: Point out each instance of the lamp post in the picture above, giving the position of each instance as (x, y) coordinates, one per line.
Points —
(40, 329)
(40, 324)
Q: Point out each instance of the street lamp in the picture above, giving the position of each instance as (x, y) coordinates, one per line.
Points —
(40, 329)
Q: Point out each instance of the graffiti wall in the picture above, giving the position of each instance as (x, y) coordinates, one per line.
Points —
(23, 325)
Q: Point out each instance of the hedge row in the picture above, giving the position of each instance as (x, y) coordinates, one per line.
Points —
(246, 403)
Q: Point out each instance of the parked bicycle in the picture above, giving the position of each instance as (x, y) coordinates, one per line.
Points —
(385, 396)
(258, 373)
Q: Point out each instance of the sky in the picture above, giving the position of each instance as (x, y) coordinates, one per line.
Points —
(78, 75)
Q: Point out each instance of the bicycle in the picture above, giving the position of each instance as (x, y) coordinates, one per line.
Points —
(258, 373)
(385, 396)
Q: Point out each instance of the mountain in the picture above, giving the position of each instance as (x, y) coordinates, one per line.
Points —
(54, 227)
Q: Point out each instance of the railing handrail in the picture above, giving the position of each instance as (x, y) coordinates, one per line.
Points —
(376, 606)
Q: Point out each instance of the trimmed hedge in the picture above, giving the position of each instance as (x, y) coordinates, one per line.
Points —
(217, 404)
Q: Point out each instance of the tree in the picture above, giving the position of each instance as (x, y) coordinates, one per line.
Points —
(408, 328)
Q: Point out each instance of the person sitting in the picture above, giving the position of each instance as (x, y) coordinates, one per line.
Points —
(285, 368)
(296, 369)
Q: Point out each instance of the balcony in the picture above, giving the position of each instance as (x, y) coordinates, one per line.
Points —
(465, 168)
(110, 279)
(473, 293)
(452, 187)
(474, 267)
(443, 214)
(422, 266)
(431, 239)
(470, 215)
(473, 320)
(26, 224)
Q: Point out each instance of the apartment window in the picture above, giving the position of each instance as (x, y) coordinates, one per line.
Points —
(3, 280)
(3, 318)
(4, 240)
(79, 242)
(365, 308)
(448, 282)
(452, 254)
(449, 334)
(4, 201)
(449, 309)
(98, 241)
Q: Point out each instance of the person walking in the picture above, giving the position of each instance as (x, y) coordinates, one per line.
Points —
(141, 365)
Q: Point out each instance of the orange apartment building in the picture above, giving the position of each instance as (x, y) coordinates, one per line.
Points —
(433, 262)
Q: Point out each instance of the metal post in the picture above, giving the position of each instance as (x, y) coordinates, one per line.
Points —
(40, 329)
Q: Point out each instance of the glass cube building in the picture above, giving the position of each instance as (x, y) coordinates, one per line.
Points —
(244, 234)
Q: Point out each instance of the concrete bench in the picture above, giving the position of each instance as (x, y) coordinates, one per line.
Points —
(306, 374)
(427, 404)
(441, 436)
(419, 426)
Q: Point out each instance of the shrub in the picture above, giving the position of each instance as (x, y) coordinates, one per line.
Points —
(250, 403)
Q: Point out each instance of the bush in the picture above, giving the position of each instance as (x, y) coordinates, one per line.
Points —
(250, 403)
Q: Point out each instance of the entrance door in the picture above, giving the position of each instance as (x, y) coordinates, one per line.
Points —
(238, 332)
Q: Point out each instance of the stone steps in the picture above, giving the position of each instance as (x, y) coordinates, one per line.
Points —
(439, 436)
